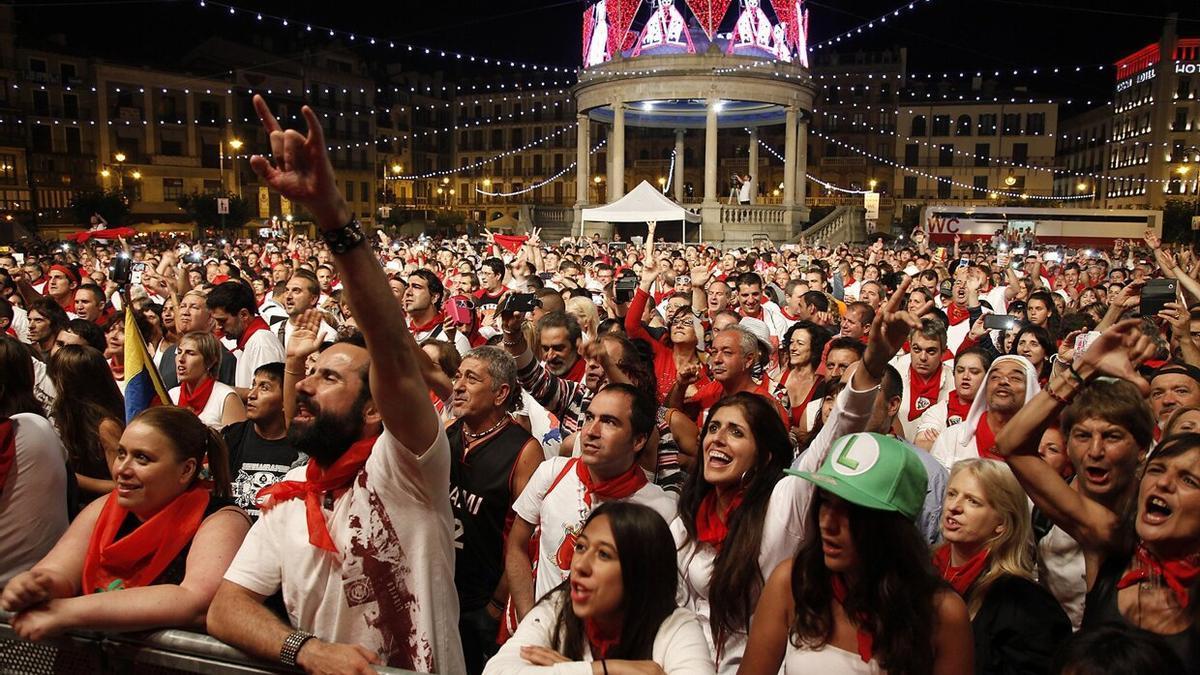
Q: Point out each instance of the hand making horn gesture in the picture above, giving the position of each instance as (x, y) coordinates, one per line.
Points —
(300, 169)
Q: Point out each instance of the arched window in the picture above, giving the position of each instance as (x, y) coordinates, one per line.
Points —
(963, 127)
(918, 126)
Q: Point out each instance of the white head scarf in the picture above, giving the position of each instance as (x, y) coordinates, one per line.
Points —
(979, 406)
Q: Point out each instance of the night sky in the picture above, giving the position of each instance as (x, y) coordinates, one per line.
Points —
(940, 34)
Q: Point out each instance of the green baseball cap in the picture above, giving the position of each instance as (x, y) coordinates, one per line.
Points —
(874, 471)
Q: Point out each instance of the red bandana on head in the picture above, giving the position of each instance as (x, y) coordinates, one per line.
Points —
(922, 393)
(138, 558)
(1178, 574)
(961, 577)
(318, 481)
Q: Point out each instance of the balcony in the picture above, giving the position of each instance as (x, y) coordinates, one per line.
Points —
(175, 160)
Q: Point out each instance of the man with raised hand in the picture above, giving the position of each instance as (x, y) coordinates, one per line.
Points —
(359, 540)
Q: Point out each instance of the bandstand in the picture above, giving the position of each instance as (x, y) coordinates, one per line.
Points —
(701, 85)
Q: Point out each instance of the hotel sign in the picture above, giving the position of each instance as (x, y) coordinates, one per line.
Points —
(1144, 76)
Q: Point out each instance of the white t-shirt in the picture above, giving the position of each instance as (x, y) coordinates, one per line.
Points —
(744, 192)
(214, 408)
(1063, 571)
(392, 589)
(33, 504)
(325, 333)
(562, 512)
(20, 323)
(262, 347)
(678, 648)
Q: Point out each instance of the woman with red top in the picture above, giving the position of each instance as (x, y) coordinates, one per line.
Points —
(149, 555)
(616, 613)
(803, 347)
(676, 350)
(988, 558)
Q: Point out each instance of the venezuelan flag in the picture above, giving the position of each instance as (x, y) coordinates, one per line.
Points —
(143, 385)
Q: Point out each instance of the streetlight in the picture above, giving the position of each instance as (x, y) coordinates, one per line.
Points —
(1010, 180)
(234, 145)
(1081, 186)
(872, 183)
(597, 180)
(120, 157)
(487, 186)
(397, 168)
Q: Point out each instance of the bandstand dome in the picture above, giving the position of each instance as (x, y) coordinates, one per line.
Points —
(733, 67)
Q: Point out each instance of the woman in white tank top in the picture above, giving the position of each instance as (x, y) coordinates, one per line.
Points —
(196, 362)
(862, 598)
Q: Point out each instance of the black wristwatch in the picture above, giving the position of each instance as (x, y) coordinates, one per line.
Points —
(345, 237)
(292, 645)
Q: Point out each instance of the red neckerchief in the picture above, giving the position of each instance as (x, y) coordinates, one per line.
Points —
(956, 313)
(256, 324)
(760, 314)
(318, 481)
(961, 577)
(602, 641)
(866, 641)
(10, 331)
(575, 374)
(138, 558)
(985, 439)
(1178, 573)
(709, 528)
(956, 407)
(428, 325)
(476, 339)
(118, 369)
(919, 389)
(8, 450)
(196, 399)
(789, 317)
(613, 489)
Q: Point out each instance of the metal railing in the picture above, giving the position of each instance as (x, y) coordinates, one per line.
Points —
(753, 214)
(163, 652)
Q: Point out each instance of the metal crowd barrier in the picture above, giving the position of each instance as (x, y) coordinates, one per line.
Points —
(163, 652)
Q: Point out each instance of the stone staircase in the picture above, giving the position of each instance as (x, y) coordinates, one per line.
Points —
(843, 225)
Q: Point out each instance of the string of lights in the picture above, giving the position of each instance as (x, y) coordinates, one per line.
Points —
(567, 169)
(809, 176)
(943, 179)
(962, 74)
(381, 42)
(484, 162)
(996, 160)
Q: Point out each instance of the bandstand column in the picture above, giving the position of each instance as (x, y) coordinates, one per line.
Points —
(752, 167)
(789, 157)
(616, 180)
(678, 182)
(801, 162)
(582, 146)
(710, 152)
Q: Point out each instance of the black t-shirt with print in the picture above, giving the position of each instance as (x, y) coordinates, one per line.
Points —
(256, 462)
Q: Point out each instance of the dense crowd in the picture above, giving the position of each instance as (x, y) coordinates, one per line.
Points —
(502, 454)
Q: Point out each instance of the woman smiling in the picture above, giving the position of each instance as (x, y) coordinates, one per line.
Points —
(128, 561)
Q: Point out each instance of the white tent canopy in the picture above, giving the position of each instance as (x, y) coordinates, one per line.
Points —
(643, 204)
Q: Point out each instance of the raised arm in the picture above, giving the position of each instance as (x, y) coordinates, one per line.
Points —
(303, 173)
(1115, 353)
(305, 341)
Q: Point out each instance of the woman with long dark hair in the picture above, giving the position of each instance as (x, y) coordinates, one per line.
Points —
(1142, 554)
(617, 608)
(863, 597)
(1034, 343)
(679, 348)
(724, 556)
(90, 414)
(149, 555)
(803, 347)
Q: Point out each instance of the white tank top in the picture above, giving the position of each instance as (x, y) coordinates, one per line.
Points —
(829, 659)
(214, 407)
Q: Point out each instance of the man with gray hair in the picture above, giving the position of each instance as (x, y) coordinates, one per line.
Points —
(735, 351)
(492, 458)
